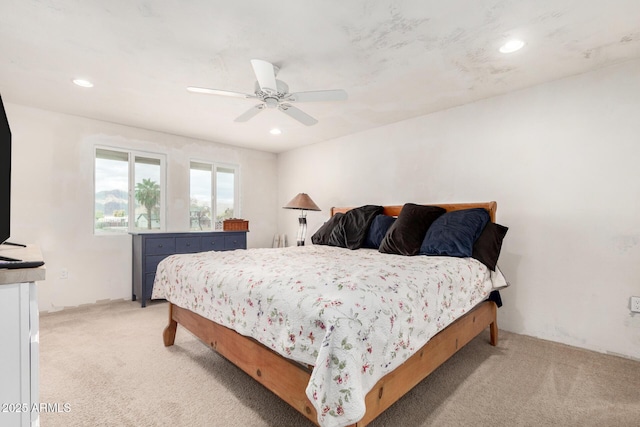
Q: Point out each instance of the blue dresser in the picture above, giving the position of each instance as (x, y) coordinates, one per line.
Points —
(151, 248)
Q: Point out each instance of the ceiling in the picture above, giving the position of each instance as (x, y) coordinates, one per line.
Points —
(396, 59)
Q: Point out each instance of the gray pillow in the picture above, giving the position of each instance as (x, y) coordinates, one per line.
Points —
(321, 237)
(352, 228)
(407, 233)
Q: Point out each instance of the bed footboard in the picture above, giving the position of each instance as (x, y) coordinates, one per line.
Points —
(434, 353)
(289, 380)
(286, 378)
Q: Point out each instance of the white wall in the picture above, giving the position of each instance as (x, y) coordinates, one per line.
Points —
(52, 198)
(561, 159)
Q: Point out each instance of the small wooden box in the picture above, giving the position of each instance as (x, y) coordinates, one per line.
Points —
(235, 224)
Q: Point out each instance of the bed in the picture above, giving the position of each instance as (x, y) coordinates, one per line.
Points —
(338, 334)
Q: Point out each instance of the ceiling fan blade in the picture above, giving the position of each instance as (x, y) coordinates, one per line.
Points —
(219, 92)
(266, 75)
(318, 96)
(252, 112)
(297, 114)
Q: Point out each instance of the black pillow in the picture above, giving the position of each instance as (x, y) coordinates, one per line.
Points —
(352, 228)
(487, 247)
(454, 233)
(407, 233)
(377, 231)
(321, 237)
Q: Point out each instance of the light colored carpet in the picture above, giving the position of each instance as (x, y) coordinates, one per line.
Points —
(109, 364)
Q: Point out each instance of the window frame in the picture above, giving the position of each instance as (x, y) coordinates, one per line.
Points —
(214, 188)
(132, 154)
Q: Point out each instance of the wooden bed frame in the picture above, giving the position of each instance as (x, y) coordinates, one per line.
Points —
(289, 379)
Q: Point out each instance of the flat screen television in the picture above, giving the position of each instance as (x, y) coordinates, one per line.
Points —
(5, 175)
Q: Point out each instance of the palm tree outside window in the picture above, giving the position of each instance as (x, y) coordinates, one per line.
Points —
(129, 191)
(148, 195)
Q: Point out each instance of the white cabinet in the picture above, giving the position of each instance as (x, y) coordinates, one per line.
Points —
(19, 345)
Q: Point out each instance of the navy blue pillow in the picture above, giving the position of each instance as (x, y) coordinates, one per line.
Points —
(377, 231)
(454, 233)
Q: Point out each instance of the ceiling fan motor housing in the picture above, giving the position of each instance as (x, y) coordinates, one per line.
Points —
(271, 102)
(282, 90)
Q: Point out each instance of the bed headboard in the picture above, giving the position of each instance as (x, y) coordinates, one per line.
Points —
(394, 210)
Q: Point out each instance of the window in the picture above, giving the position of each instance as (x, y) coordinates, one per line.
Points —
(213, 195)
(129, 191)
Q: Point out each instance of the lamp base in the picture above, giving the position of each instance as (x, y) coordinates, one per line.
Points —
(302, 229)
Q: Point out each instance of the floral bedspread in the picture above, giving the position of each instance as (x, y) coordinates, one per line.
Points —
(353, 315)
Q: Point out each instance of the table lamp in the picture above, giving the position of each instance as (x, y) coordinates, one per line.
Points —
(304, 203)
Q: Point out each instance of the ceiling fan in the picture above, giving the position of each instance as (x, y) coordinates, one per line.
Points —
(273, 93)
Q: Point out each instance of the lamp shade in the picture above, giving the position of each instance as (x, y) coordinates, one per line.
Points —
(302, 201)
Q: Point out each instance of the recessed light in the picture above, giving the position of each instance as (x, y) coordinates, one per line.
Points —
(512, 46)
(275, 131)
(82, 83)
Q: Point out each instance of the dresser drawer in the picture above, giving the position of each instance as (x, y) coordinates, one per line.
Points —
(212, 243)
(151, 262)
(187, 244)
(234, 242)
(160, 245)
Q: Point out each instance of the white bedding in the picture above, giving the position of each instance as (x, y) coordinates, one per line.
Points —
(354, 315)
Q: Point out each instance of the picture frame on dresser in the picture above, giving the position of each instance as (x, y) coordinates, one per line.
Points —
(148, 249)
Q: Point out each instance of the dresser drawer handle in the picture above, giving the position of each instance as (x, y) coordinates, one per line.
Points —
(160, 245)
(188, 244)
